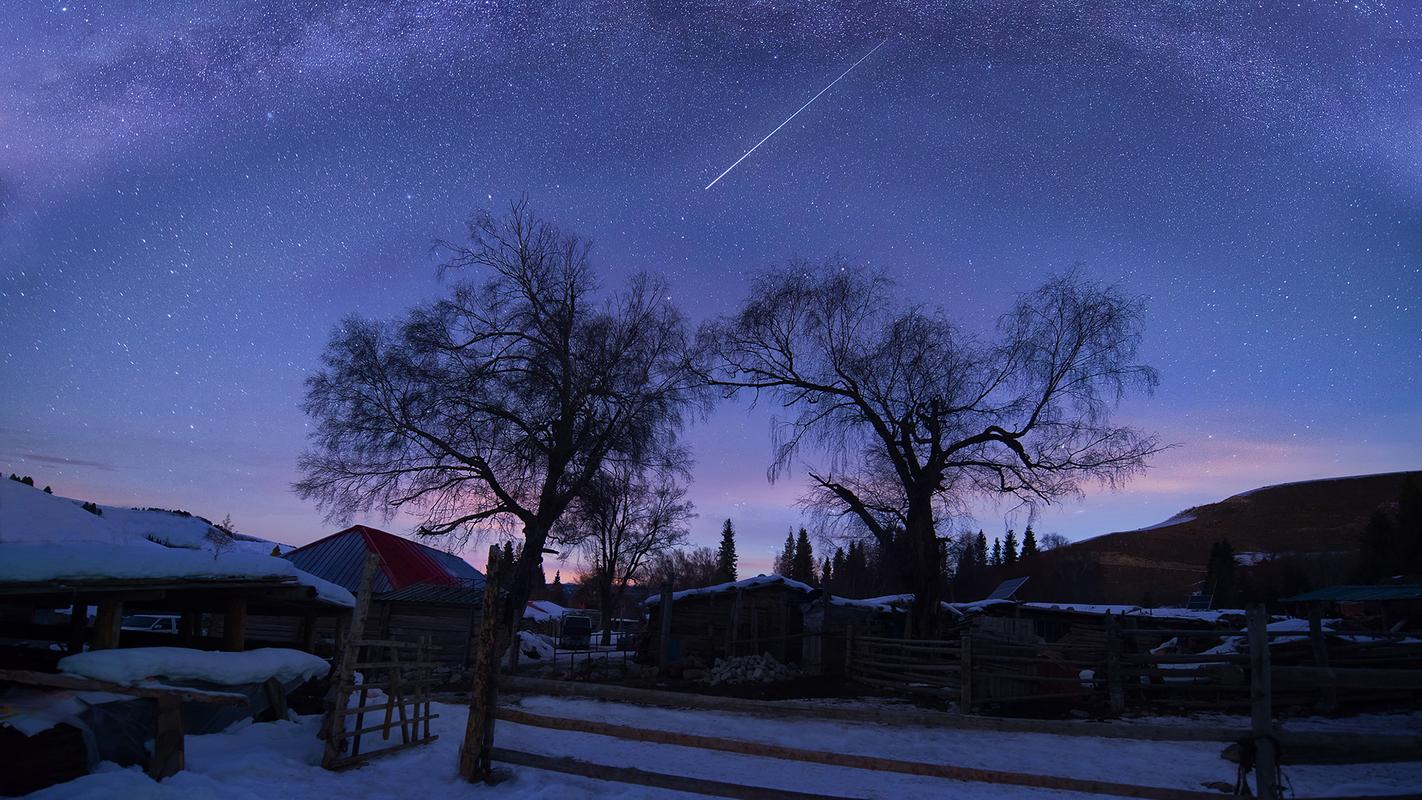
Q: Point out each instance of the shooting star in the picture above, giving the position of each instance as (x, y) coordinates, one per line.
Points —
(797, 112)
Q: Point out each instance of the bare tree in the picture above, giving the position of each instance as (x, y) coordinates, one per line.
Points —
(684, 568)
(912, 416)
(625, 519)
(497, 406)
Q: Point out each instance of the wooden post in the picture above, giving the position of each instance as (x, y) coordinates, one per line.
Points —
(1115, 688)
(965, 671)
(106, 625)
(168, 752)
(1328, 698)
(308, 633)
(78, 625)
(345, 668)
(474, 752)
(1261, 706)
(664, 653)
(234, 625)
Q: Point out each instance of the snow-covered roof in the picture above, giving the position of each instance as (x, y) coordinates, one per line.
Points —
(136, 665)
(899, 602)
(96, 561)
(731, 586)
(45, 537)
(543, 610)
(1211, 616)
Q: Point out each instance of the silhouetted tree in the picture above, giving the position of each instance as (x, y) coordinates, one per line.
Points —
(497, 405)
(980, 553)
(684, 568)
(1009, 548)
(1219, 573)
(625, 518)
(802, 567)
(785, 562)
(726, 555)
(826, 574)
(914, 414)
(48, 490)
(1054, 541)
(996, 558)
(1029, 543)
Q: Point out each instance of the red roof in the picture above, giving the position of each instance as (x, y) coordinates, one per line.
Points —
(401, 563)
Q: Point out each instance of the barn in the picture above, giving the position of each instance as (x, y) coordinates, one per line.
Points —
(417, 591)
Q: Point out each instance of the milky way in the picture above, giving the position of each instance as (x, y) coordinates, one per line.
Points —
(189, 200)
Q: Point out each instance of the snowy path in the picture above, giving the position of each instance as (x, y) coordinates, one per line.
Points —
(280, 760)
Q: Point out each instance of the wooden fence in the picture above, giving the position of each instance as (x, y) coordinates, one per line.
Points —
(1119, 670)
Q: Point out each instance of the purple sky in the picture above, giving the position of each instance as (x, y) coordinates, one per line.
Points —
(190, 200)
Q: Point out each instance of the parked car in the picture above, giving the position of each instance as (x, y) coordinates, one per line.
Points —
(575, 632)
(157, 623)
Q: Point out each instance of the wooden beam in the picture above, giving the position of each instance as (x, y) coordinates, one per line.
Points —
(107, 624)
(346, 656)
(78, 626)
(234, 625)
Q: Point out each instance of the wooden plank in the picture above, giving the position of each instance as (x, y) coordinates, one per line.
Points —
(1349, 678)
(658, 780)
(348, 761)
(78, 626)
(855, 761)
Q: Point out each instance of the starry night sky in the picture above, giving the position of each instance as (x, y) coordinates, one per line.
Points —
(190, 199)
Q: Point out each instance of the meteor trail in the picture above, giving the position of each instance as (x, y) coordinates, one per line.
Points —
(792, 116)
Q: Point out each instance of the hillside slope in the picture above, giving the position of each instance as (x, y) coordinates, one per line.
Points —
(1315, 524)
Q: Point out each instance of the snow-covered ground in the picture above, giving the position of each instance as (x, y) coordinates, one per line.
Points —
(281, 759)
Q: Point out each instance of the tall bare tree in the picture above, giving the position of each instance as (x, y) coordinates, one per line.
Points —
(910, 416)
(625, 519)
(501, 403)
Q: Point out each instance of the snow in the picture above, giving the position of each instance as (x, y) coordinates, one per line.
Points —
(135, 665)
(29, 515)
(1211, 616)
(143, 560)
(1178, 519)
(543, 611)
(281, 759)
(535, 646)
(748, 583)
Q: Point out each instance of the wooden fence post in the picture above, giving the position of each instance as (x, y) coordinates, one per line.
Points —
(1261, 706)
(1328, 698)
(107, 624)
(664, 653)
(1115, 689)
(345, 668)
(965, 671)
(234, 625)
(734, 631)
(849, 650)
(474, 754)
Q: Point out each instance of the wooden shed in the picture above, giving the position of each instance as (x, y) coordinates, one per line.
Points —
(763, 614)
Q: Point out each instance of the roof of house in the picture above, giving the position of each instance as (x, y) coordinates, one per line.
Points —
(758, 582)
(1350, 593)
(436, 594)
(340, 557)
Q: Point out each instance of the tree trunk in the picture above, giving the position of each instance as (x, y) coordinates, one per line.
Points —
(521, 586)
(604, 600)
(918, 552)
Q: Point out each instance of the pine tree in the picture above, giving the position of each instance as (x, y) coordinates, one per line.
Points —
(1029, 543)
(980, 552)
(556, 588)
(1219, 573)
(826, 575)
(966, 576)
(996, 559)
(802, 568)
(28, 481)
(276, 550)
(785, 562)
(1009, 548)
(840, 568)
(48, 490)
(726, 555)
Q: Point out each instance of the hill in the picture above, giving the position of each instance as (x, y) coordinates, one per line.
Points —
(1310, 530)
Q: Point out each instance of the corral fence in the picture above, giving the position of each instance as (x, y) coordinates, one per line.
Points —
(1119, 668)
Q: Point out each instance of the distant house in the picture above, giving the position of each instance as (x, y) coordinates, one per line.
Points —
(417, 591)
(747, 617)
